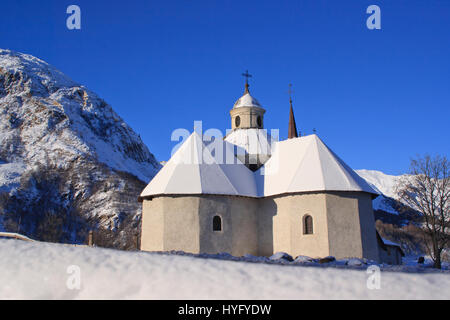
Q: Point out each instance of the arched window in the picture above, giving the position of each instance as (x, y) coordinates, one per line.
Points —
(217, 223)
(237, 121)
(307, 224)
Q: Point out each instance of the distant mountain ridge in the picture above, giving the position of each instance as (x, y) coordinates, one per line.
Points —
(384, 184)
(66, 158)
(388, 207)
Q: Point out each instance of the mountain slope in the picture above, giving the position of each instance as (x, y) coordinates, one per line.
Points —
(382, 182)
(68, 162)
(388, 207)
(385, 185)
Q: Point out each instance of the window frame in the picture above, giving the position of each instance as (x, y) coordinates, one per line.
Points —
(220, 221)
(237, 121)
(305, 226)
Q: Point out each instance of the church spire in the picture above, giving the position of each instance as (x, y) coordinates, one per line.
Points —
(292, 132)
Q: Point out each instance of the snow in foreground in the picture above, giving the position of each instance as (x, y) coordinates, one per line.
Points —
(35, 270)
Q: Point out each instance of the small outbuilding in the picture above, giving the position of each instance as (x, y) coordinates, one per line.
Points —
(390, 252)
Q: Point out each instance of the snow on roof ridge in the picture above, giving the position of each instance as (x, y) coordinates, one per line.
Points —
(291, 156)
(261, 140)
(208, 170)
(247, 100)
(301, 162)
(336, 159)
(347, 172)
(389, 242)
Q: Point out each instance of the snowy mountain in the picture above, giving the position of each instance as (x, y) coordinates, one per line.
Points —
(382, 182)
(385, 185)
(388, 206)
(68, 162)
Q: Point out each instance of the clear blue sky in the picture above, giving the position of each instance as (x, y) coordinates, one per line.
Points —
(376, 97)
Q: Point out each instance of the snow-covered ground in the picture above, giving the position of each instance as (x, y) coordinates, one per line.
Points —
(35, 270)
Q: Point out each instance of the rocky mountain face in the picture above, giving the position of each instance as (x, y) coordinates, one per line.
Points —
(68, 162)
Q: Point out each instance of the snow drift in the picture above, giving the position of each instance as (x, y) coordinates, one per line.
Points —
(34, 270)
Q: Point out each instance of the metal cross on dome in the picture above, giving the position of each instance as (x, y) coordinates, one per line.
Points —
(246, 75)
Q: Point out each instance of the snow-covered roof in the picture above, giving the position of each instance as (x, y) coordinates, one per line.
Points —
(253, 140)
(390, 243)
(247, 101)
(306, 164)
(194, 170)
(297, 165)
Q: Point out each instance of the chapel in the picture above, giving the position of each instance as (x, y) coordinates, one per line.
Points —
(250, 194)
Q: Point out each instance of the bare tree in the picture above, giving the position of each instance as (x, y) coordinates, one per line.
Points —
(427, 189)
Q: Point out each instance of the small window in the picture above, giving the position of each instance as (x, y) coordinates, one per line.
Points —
(237, 121)
(259, 121)
(307, 225)
(217, 223)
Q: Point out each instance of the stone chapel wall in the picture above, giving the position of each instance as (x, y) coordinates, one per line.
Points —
(281, 225)
(171, 223)
(351, 225)
(239, 225)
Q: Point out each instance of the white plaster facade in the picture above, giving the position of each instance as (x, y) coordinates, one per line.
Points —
(343, 225)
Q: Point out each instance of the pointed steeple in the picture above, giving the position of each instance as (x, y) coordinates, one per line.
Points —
(292, 126)
(292, 133)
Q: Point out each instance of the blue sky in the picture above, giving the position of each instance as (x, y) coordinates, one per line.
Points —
(376, 97)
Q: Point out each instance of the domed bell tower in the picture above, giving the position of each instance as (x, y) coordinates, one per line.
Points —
(247, 113)
(248, 133)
